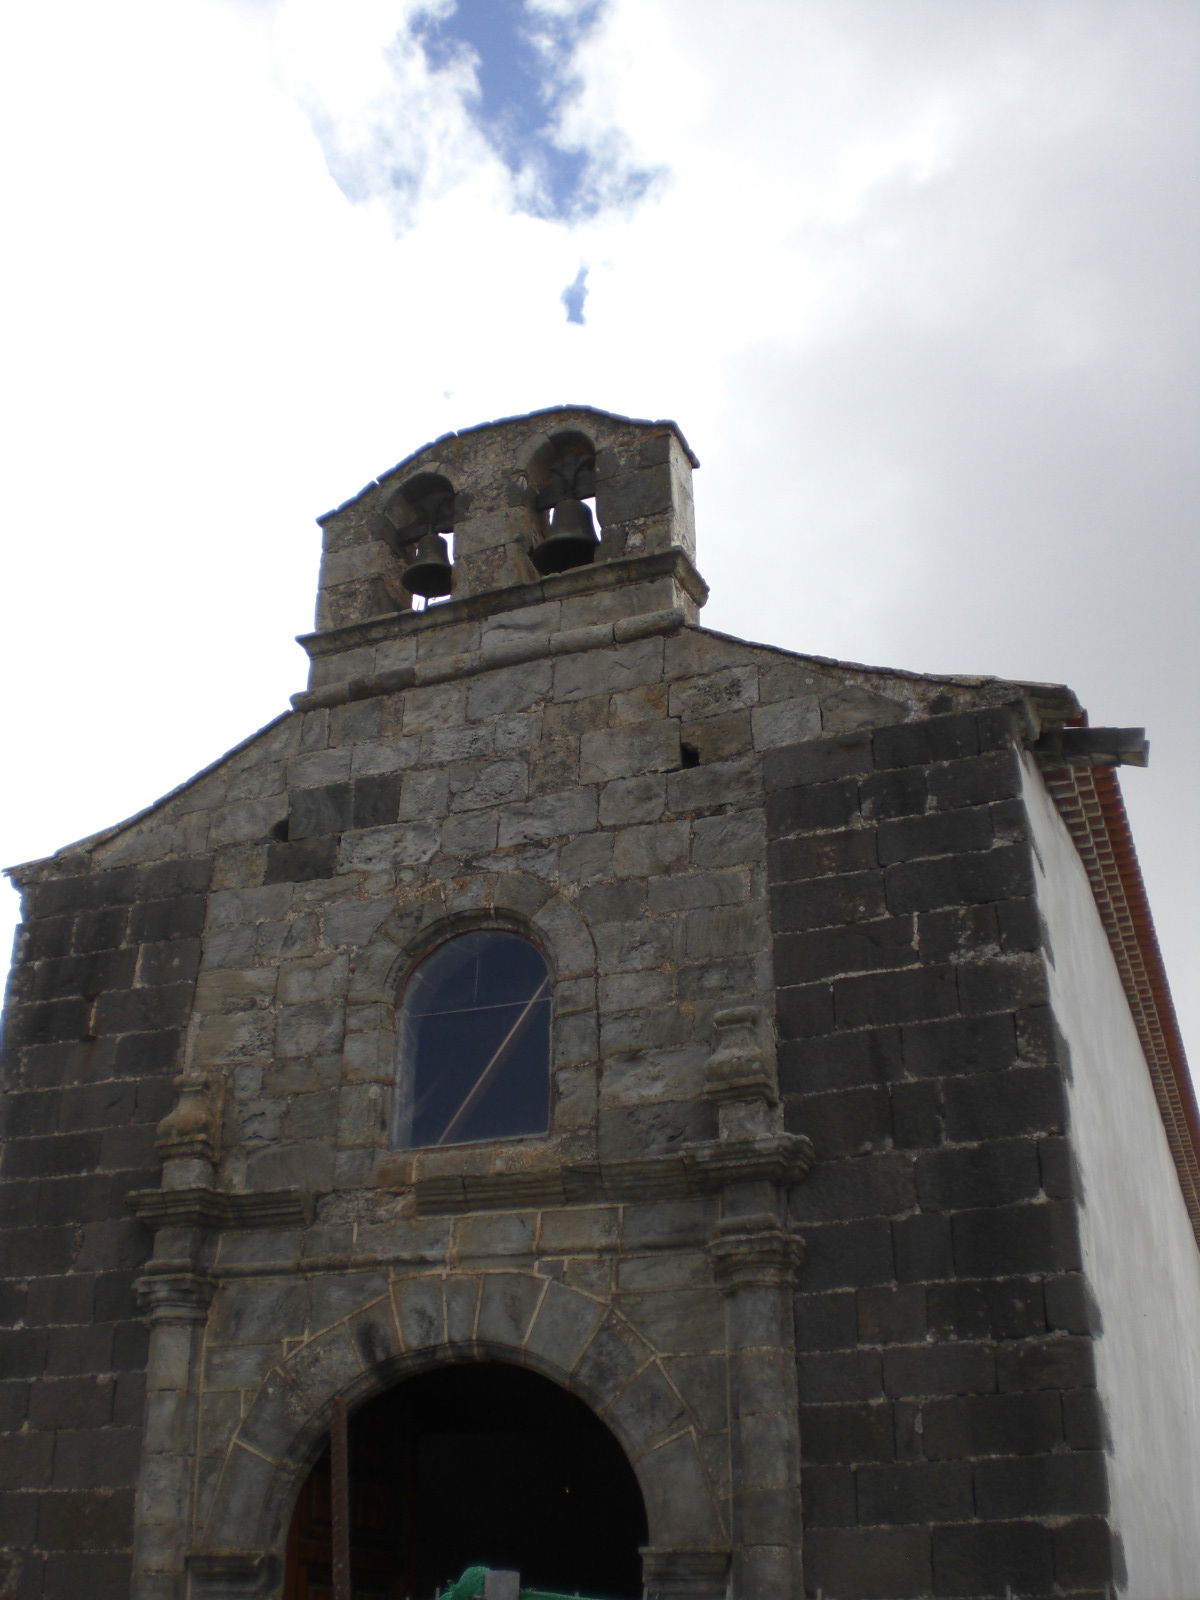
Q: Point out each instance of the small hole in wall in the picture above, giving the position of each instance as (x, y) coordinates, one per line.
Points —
(280, 831)
(689, 755)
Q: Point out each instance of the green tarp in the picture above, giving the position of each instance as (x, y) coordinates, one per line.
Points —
(470, 1587)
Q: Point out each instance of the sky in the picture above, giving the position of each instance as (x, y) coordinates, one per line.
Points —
(916, 278)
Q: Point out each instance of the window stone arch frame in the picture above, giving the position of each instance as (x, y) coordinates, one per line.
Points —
(515, 902)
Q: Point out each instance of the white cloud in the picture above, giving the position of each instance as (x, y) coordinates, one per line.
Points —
(917, 282)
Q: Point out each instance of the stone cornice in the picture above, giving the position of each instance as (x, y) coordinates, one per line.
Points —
(220, 1210)
(515, 652)
(514, 597)
(701, 1169)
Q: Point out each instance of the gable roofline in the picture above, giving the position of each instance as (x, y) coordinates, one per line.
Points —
(27, 871)
(1090, 802)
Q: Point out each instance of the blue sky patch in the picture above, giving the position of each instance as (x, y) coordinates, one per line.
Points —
(525, 76)
(574, 295)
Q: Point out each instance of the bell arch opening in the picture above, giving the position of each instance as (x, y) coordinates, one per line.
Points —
(474, 1464)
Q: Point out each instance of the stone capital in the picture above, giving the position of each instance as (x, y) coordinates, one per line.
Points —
(172, 1291)
(754, 1252)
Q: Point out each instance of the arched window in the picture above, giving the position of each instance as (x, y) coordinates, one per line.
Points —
(474, 1059)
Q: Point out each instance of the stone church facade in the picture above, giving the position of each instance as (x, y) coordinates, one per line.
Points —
(862, 1215)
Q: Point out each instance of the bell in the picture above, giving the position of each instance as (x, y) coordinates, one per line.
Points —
(571, 541)
(428, 573)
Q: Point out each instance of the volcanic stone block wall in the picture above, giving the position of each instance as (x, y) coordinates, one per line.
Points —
(100, 994)
(951, 1434)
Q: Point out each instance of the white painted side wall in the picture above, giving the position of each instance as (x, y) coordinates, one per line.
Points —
(1139, 1251)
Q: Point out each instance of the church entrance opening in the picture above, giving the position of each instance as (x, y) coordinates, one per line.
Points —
(481, 1464)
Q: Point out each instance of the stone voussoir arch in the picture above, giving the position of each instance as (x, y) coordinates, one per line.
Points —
(434, 1319)
(514, 899)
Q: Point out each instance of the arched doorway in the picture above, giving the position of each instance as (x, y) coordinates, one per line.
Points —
(478, 1463)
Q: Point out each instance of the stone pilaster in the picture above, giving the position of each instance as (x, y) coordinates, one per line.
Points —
(754, 1259)
(175, 1293)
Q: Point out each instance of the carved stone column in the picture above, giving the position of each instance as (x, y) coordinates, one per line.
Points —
(187, 1213)
(175, 1291)
(754, 1259)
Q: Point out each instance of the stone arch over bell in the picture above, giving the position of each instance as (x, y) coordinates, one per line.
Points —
(562, 474)
(569, 1337)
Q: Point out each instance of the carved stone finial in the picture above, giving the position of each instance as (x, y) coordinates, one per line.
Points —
(740, 1074)
(186, 1138)
(740, 1068)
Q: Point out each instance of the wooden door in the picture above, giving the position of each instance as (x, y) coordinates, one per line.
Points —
(378, 1517)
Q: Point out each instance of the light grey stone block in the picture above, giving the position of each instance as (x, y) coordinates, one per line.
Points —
(785, 722)
(719, 738)
(462, 1300)
(723, 784)
(688, 890)
(633, 800)
(730, 840)
(613, 1356)
(451, 743)
(421, 1312)
(578, 1228)
(353, 922)
(644, 851)
(647, 702)
(716, 931)
(317, 978)
(711, 694)
(508, 1233)
(553, 816)
(508, 689)
(637, 748)
(507, 1303)
(469, 833)
(562, 1328)
(315, 768)
(423, 796)
(628, 991)
(678, 1320)
(484, 786)
(428, 709)
(608, 671)
(646, 1411)
(314, 1028)
(631, 946)
(588, 859)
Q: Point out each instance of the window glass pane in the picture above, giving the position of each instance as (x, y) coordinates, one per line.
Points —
(475, 1043)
